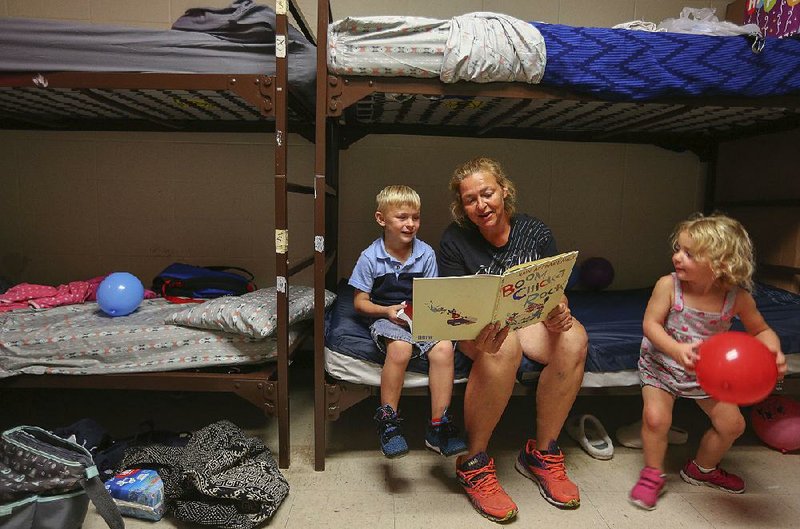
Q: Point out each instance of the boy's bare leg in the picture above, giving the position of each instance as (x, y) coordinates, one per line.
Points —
(398, 354)
(440, 377)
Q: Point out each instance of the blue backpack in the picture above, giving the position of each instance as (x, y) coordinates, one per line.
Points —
(182, 283)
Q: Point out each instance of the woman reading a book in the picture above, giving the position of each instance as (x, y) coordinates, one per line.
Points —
(487, 236)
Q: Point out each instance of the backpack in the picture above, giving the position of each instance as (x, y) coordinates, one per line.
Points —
(46, 482)
(182, 283)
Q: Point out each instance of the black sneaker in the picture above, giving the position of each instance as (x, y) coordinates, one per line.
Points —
(390, 435)
(443, 438)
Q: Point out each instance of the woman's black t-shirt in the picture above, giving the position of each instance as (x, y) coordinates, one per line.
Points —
(464, 251)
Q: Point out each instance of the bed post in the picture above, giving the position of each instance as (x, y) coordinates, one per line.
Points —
(710, 196)
(320, 136)
(282, 230)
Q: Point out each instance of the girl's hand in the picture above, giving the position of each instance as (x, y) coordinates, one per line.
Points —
(391, 314)
(491, 338)
(686, 355)
(780, 361)
(559, 319)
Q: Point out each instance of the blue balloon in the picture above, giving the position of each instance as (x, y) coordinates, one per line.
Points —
(120, 294)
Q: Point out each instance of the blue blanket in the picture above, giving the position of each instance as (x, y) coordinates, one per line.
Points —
(613, 320)
(625, 64)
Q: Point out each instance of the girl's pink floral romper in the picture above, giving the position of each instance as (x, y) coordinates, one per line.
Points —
(685, 325)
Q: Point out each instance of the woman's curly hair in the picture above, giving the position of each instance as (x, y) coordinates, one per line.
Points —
(476, 165)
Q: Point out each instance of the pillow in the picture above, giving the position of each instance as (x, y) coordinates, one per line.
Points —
(252, 314)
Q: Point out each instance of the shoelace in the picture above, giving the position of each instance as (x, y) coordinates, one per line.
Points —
(483, 479)
(717, 472)
(555, 465)
(447, 430)
(391, 427)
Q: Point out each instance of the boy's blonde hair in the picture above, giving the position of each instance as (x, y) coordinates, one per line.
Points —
(397, 196)
(724, 244)
(486, 165)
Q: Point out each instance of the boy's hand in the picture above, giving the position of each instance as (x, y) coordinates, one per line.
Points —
(391, 314)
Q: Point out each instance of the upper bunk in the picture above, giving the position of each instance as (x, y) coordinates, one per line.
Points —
(216, 69)
(490, 75)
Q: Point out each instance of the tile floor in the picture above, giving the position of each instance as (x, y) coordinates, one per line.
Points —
(360, 488)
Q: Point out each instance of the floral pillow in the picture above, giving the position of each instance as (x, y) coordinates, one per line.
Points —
(252, 314)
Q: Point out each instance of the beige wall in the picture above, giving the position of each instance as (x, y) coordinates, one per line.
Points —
(80, 204)
(610, 200)
(765, 168)
(76, 205)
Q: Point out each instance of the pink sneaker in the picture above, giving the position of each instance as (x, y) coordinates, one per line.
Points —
(647, 490)
(717, 478)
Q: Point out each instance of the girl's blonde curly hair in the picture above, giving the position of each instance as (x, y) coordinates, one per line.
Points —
(724, 244)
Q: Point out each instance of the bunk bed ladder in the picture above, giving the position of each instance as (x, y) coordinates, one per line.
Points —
(281, 231)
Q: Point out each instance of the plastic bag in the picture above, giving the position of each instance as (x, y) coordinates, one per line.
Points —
(703, 21)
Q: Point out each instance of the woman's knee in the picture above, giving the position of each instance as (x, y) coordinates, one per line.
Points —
(573, 347)
(504, 363)
(579, 342)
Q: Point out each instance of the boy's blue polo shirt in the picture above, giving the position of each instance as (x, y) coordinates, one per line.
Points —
(387, 280)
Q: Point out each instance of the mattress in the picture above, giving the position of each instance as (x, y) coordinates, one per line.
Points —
(613, 321)
(34, 45)
(352, 356)
(618, 64)
(82, 340)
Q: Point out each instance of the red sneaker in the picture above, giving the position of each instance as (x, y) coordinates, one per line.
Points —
(717, 478)
(548, 471)
(479, 478)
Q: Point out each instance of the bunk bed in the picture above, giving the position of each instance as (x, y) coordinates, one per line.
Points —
(399, 75)
(238, 69)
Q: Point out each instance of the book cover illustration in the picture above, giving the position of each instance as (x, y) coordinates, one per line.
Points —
(457, 308)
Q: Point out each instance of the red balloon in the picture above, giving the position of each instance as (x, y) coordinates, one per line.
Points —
(777, 422)
(735, 367)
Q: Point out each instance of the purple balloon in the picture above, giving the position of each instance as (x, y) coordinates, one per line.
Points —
(596, 273)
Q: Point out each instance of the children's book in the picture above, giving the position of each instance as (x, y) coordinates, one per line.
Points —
(459, 307)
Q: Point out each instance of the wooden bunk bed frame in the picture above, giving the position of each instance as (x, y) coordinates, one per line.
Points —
(180, 102)
(520, 111)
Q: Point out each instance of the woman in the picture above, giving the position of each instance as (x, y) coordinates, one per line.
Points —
(487, 236)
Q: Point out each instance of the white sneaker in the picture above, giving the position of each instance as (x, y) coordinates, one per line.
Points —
(631, 435)
(587, 431)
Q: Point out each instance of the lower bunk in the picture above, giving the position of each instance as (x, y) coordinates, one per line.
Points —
(613, 321)
(80, 347)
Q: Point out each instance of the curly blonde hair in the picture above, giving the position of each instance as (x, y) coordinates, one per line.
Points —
(477, 165)
(724, 244)
(397, 196)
